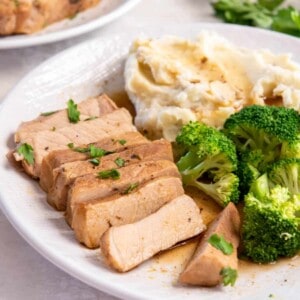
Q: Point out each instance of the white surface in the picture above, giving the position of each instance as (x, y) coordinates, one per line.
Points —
(24, 274)
(105, 12)
(83, 71)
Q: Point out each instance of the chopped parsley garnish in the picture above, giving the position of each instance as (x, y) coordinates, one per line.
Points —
(122, 142)
(48, 113)
(92, 149)
(91, 118)
(131, 188)
(27, 151)
(113, 173)
(221, 244)
(229, 276)
(95, 161)
(98, 152)
(73, 112)
(120, 162)
(81, 149)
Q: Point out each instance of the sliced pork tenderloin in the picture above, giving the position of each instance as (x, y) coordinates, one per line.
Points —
(65, 175)
(90, 187)
(90, 108)
(91, 219)
(45, 141)
(207, 262)
(56, 158)
(125, 247)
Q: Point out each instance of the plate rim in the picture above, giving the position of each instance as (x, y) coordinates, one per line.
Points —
(105, 286)
(64, 34)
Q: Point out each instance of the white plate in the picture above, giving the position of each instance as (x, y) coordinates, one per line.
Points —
(106, 11)
(83, 71)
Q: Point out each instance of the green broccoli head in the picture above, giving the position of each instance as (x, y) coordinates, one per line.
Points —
(208, 159)
(223, 190)
(271, 222)
(272, 130)
(286, 172)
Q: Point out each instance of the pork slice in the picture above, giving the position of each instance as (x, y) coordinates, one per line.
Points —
(44, 141)
(65, 175)
(92, 107)
(56, 158)
(126, 246)
(207, 262)
(92, 219)
(89, 187)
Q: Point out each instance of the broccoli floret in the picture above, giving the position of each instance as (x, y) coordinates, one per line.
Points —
(247, 174)
(208, 162)
(286, 172)
(271, 222)
(272, 130)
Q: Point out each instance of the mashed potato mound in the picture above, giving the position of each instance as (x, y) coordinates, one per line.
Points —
(172, 80)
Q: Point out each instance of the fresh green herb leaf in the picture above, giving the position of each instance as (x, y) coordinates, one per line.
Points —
(221, 244)
(92, 149)
(82, 149)
(73, 112)
(113, 173)
(262, 13)
(120, 162)
(229, 276)
(27, 151)
(243, 12)
(48, 113)
(91, 118)
(98, 152)
(122, 142)
(270, 4)
(131, 188)
(287, 20)
(95, 161)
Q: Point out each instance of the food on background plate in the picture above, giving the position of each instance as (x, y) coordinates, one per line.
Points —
(29, 16)
(216, 251)
(126, 246)
(172, 80)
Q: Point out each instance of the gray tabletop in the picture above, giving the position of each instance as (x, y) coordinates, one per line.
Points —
(25, 274)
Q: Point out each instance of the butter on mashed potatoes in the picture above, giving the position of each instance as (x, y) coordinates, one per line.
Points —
(172, 80)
